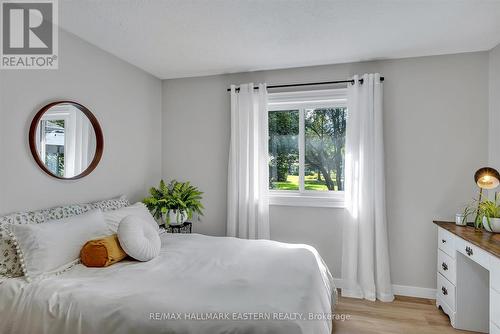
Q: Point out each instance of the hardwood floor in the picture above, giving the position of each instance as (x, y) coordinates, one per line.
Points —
(405, 315)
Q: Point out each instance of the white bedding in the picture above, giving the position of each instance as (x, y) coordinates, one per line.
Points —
(195, 277)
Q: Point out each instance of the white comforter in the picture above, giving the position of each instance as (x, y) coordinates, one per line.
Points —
(198, 284)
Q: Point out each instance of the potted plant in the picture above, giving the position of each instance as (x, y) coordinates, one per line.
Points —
(490, 211)
(174, 203)
(487, 214)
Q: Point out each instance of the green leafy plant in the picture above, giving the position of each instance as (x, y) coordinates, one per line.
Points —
(490, 209)
(485, 208)
(177, 196)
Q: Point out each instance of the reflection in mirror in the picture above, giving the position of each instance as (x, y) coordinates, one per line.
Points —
(65, 140)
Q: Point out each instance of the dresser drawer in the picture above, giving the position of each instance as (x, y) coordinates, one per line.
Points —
(495, 273)
(446, 242)
(473, 252)
(495, 307)
(446, 291)
(446, 266)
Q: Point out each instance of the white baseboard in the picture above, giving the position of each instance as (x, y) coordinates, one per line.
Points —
(403, 290)
(413, 291)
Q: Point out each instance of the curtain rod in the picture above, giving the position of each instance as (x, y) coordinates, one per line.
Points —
(310, 84)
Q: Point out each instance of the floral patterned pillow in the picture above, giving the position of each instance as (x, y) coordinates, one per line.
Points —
(9, 260)
(110, 204)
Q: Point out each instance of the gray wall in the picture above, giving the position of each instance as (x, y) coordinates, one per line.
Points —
(125, 100)
(436, 113)
(436, 134)
(494, 99)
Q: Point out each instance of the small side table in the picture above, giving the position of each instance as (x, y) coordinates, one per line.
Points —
(184, 228)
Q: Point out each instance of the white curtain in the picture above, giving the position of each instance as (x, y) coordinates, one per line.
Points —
(248, 205)
(365, 258)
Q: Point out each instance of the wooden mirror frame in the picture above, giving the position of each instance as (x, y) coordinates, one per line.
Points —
(98, 133)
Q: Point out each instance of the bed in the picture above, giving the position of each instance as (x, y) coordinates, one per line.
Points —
(198, 284)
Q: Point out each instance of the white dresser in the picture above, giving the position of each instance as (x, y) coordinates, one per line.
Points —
(468, 277)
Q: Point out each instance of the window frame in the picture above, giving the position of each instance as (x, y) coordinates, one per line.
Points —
(303, 101)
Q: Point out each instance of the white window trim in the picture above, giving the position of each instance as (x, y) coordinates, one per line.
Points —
(303, 101)
(307, 198)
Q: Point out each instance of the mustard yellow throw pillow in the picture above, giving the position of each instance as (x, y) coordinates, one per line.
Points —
(102, 252)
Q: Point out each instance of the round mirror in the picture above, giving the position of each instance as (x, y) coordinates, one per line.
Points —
(66, 140)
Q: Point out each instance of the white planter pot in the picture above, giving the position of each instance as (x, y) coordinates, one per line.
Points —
(175, 217)
(495, 225)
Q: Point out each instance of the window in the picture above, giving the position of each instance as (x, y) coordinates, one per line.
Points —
(284, 149)
(307, 147)
(53, 143)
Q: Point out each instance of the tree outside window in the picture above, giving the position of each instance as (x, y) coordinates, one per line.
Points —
(325, 146)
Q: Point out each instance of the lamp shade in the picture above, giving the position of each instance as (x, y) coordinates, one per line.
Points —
(487, 178)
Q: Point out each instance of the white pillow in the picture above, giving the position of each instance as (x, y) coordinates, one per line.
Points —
(114, 217)
(55, 245)
(138, 238)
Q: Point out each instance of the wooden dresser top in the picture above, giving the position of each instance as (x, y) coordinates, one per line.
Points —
(490, 242)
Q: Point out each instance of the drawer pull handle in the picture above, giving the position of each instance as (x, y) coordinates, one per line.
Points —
(443, 241)
(468, 250)
(445, 266)
(444, 290)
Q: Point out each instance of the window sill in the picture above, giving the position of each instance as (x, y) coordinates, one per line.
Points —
(313, 199)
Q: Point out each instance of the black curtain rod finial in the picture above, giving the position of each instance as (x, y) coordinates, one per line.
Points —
(311, 84)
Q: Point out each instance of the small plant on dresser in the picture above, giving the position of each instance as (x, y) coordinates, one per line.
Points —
(174, 203)
(490, 215)
(487, 214)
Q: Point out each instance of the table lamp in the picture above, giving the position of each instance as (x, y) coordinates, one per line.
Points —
(486, 178)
